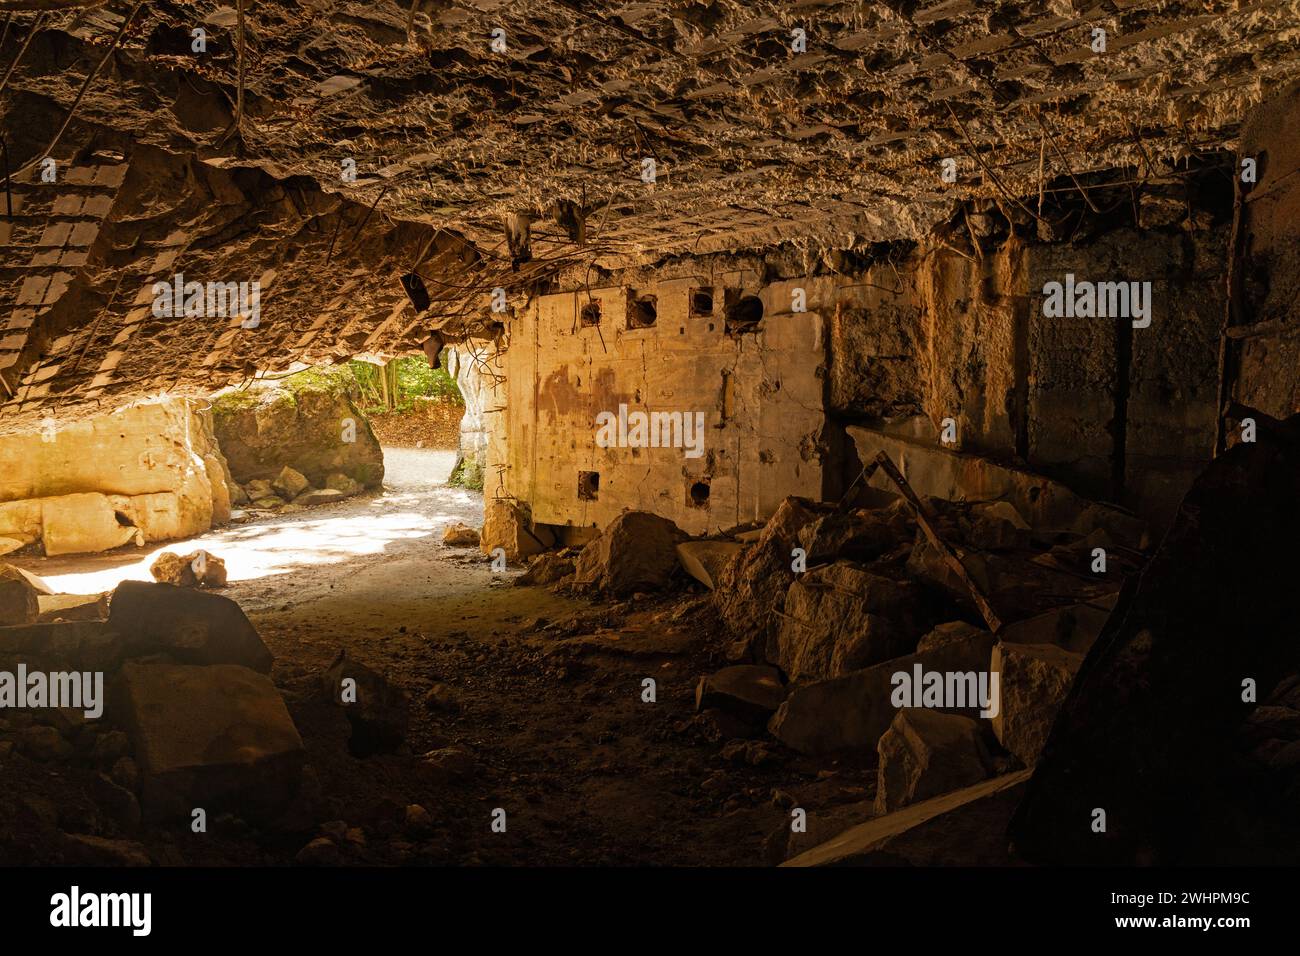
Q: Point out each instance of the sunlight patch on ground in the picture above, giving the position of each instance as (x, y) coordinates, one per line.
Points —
(256, 551)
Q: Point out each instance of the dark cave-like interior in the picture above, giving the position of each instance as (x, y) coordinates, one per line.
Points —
(707, 433)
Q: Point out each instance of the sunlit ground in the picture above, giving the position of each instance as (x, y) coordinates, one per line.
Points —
(277, 545)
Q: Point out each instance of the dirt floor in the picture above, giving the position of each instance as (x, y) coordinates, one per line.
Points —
(543, 690)
(428, 424)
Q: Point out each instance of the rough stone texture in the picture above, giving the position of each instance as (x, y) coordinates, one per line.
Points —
(217, 737)
(72, 607)
(290, 483)
(749, 691)
(753, 585)
(379, 711)
(19, 600)
(841, 617)
(300, 423)
(320, 496)
(925, 753)
(1271, 273)
(705, 561)
(822, 145)
(862, 535)
(460, 535)
(1073, 628)
(637, 551)
(78, 645)
(198, 569)
(1034, 679)
(966, 827)
(1152, 715)
(507, 525)
(546, 569)
(147, 472)
(193, 627)
(853, 711)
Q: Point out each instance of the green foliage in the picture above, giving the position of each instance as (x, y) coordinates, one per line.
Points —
(468, 473)
(415, 380)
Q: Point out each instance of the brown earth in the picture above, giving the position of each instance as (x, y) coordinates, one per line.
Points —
(587, 772)
(426, 425)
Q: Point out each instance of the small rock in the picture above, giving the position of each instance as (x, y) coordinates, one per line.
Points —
(321, 851)
(417, 820)
(441, 697)
(451, 763)
(460, 535)
(43, 743)
(290, 483)
(196, 569)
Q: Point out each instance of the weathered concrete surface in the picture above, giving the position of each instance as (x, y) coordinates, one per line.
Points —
(217, 737)
(1034, 679)
(925, 753)
(757, 394)
(853, 711)
(964, 827)
(635, 552)
(194, 627)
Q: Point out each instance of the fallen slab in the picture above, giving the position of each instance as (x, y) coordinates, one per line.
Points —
(706, 560)
(216, 737)
(853, 711)
(194, 627)
(925, 753)
(748, 691)
(1034, 679)
(72, 607)
(963, 828)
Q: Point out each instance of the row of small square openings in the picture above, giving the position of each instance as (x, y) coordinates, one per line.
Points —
(742, 312)
(697, 489)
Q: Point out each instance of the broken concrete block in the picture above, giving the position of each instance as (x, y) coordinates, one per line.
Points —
(862, 535)
(319, 496)
(506, 525)
(217, 737)
(194, 627)
(72, 607)
(1072, 628)
(749, 691)
(257, 488)
(964, 827)
(378, 710)
(705, 560)
(290, 483)
(83, 523)
(18, 598)
(947, 634)
(853, 711)
(194, 570)
(925, 753)
(546, 569)
(994, 525)
(637, 551)
(76, 645)
(337, 481)
(460, 535)
(841, 617)
(1034, 679)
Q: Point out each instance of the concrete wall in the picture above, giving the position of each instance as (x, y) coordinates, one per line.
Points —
(1116, 413)
(759, 392)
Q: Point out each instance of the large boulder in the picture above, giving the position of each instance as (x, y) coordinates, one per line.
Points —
(637, 551)
(64, 645)
(18, 598)
(1149, 730)
(861, 535)
(378, 710)
(148, 471)
(925, 753)
(841, 617)
(193, 627)
(216, 737)
(1034, 679)
(751, 587)
(852, 712)
(308, 421)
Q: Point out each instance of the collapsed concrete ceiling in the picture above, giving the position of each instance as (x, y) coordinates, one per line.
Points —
(478, 167)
